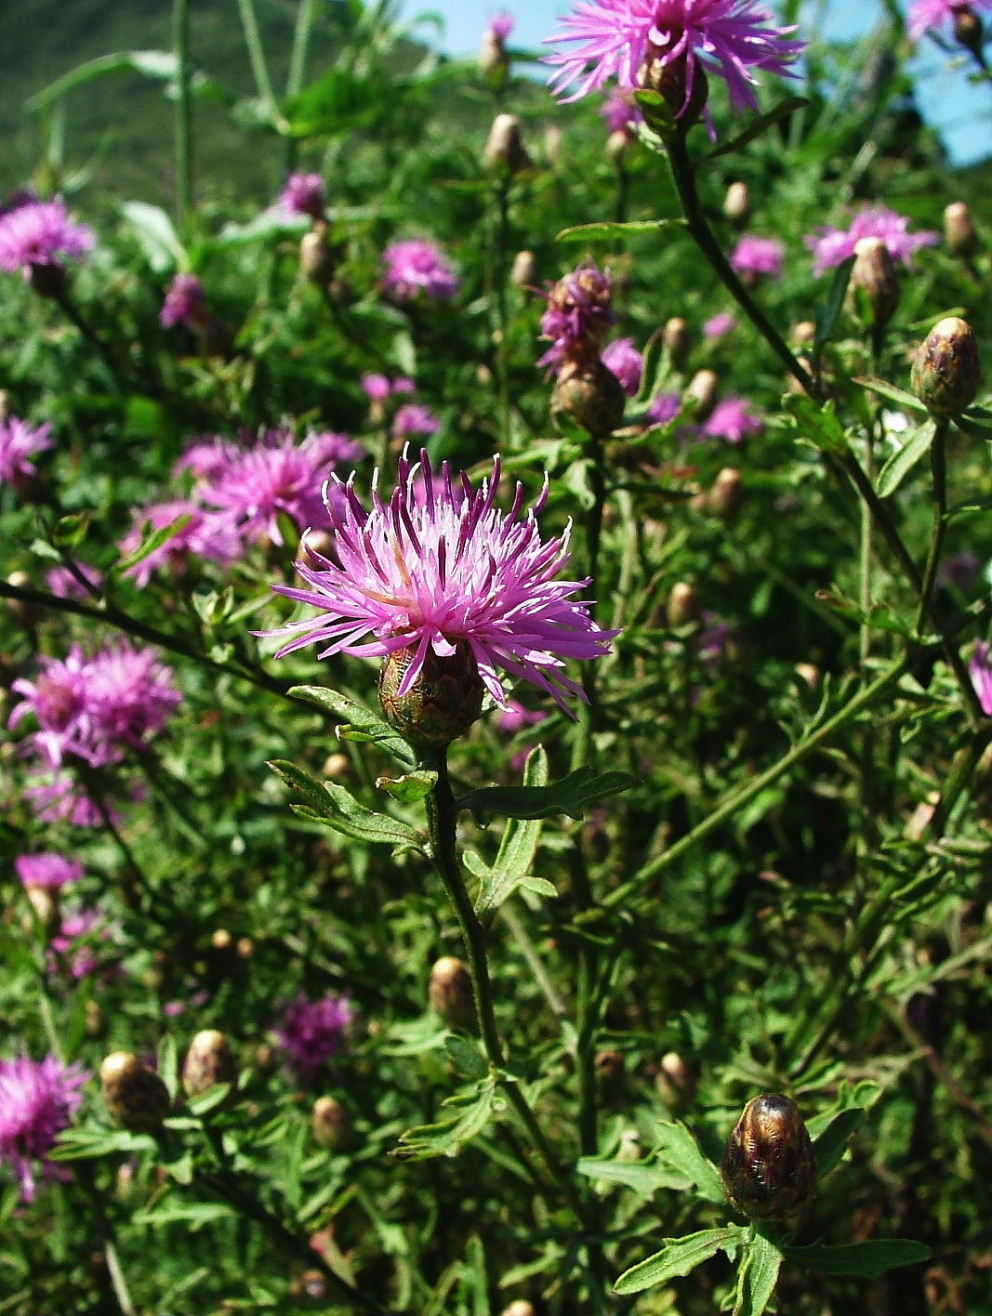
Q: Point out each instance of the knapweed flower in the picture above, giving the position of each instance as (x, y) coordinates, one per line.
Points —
(414, 418)
(621, 39)
(310, 1032)
(19, 442)
(185, 303)
(579, 312)
(502, 24)
(757, 258)
(304, 195)
(665, 407)
(623, 358)
(48, 870)
(980, 671)
(416, 266)
(203, 536)
(438, 566)
(832, 246)
(934, 15)
(621, 112)
(38, 1099)
(733, 420)
(66, 583)
(41, 233)
(79, 946)
(718, 326)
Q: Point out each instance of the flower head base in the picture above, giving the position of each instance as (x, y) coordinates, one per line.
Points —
(834, 246)
(41, 233)
(312, 1031)
(38, 1099)
(416, 267)
(623, 38)
(440, 564)
(580, 310)
(304, 195)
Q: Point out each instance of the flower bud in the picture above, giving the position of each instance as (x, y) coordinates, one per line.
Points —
(331, 1124)
(683, 605)
(135, 1096)
(727, 495)
(95, 1019)
(521, 1307)
(876, 276)
(810, 673)
(589, 393)
(677, 341)
(611, 1068)
(450, 992)
(947, 372)
(768, 1167)
(701, 394)
(959, 230)
(336, 766)
(669, 81)
(505, 150)
(630, 1149)
(524, 271)
(737, 204)
(316, 257)
(618, 146)
(494, 62)
(803, 333)
(28, 614)
(968, 31)
(675, 1081)
(443, 701)
(209, 1061)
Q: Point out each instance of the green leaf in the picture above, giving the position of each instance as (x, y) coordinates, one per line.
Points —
(898, 395)
(571, 795)
(83, 1144)
(827, 322)
(466, 1057)
(975, 429)
(335, 104)
(643, 1179)
(829, 1146)
(516, 851)
(156, 234)
(895, 470)
(160, 65)
(969, 506)
(760, 124)
(70, 531)
(211, 1099)
(868, 1260)
(359, 717)
(757, 1276)
(678, 1257)
(608, 231)
(447, 1137)
(154, 541)
(409, 788)
(193, 1214)
(817, 423)
(679, 1150)
(336, 807)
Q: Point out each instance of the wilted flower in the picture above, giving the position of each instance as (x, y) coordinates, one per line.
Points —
(204, 536)
(20, 441)
(620, 38)
(980, 671)
(757, 258)
(417, 266)
(312, 1031)
(732, 420)
(38, 1099)
(304, 195)
(834, 246)
(932, 15)
(438, 566)
(185, 303)
(579, 312)
(49, 870)
(626, 362)
(717, 326)
(41, 233)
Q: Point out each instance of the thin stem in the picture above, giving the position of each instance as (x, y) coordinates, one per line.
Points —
(938, 468)
(184, 117)
(71, 311)
(259, 67)
(303, 30)
(502, 244)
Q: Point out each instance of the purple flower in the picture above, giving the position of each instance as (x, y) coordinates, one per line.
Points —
(757, 258)
(516, 717)
(579, 312)
(414, 418)
(20, 441)
(440, 564)
(615, 38)
(304, 195)
(417, 266)
(377, 387)
(720, 325)
(203, 536)
(958, 571)
(621, 112)
(48, 870)
(732, 420)
(209, 457)
(665, 407)
(980, 671)
(74, 949)
(833, 246)
(501, 25)
(67, 585)
(185, 303)
(38, 1099)
(925, 15)
(41, 233)
(312, 1031)
(623, 358)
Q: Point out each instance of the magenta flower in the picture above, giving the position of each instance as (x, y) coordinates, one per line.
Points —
(439, 564)
(185, 303)
(579, 312)
(204, 536)
(665, 407)
(41, 233)
(414, 418)
(378, 388)
(932, 15)
(19, 442)
(79, 948)
(980, 671)
(208, 458)
(416, 266)
(623, 358)
(312, 1031)
(304, 195)
(621, 112)
(833, 246)
(757, 258)
(48, 870)
(516, 717)
(732, 420)
(67, 585)
(615, 38)
(720, 325)
(501, 25)
(38, 1099)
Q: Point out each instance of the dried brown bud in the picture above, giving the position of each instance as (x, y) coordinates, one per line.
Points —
(959, 230)
(803, 334)
(4, 406)
(135, 1096)
(947, 372)
(589, 394)
(610, 1068)
(209, 1061)
(450, 992)
(505, 150)
(737, 204)
(443, 701)
(683, 604)
(331, 1123)
(876, 276)
(727, 495)
(702, 393)
(316, 257)
(768, 1167)
(524, 271)
(677, 341)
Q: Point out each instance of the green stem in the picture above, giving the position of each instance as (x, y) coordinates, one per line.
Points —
(184, 118)
(306, 14)
(938, 467)
(72, 313)
(259, 67)
(502, 244)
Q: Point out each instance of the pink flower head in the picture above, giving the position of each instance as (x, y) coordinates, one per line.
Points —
(185, 303)
(665, 407)
(932, 15)
(758, 257)
(67, 585)
(732, 420)
(209, 457)
(41, 233)
(833, 246)
(439, 564)
(501, 25)
(376, 387)
(417, 266)
(720, 325)
(414, 418)
(579, 312)
(312, 1031)
(980, 671)
(48, 870)
(38, 1099)
(304, 195)
(621, 112)
(614, 38)
(19, 442)
(516, 717)
(623, 358)
(203, 536)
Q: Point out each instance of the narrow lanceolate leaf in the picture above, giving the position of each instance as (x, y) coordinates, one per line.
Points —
(358, 717)
(827, 322)
(865, 1259)
(829, 1147)
(678, 1257)
(335, 807)
(898, 395)
(757, 1276)
(895, 470)
(517, 847)
(678, 1149)
(974, 427)
(760, 124)
(571, 795)
(609, 231)
(154, 541)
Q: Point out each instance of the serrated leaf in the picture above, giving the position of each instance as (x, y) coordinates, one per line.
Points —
(571, 795)
(410, 788)
(153, 542)
(760, 124)
(334, 806)
(757, 1276)
(677, 1257)
(609, 231)
(898, 395)
(643, 1179)
(679, 1150)
(895, 470)
(466, 1057)
(868, 1260)
(447, 1137)
(358, 716)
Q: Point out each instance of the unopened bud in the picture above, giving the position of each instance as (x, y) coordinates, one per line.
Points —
(244, 948)
(524, 271)
(701, 394)
(676, 1081)
(505, 150)
(810, 673)
(44, 900)
(968, 30)
(876, 276)
(669, 80)
(336, 766)
(96, 1019)
(521, 1307)
(135, 1096)
(618, 146)
(737, 204)
(443, 701)
(209, 1061)
(221, 941)
(947, 372)
(450, 992)
(331, 1123)
(494, 62)
(630, 1149)
(677, 341)
(311, 1284)
(959, 230)
(610, 1069)
(683, 605)
(803, 334)
(554, 143)
(727, 495)
(768, 1167)
(589, 394)
(316, 258)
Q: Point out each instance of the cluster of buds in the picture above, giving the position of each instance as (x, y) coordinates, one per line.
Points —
(768, 1166)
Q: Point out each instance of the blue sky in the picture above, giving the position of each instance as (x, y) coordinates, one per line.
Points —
(962, 112)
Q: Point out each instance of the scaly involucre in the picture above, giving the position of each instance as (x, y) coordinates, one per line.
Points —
(437, 564)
